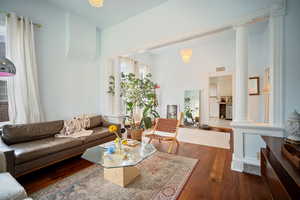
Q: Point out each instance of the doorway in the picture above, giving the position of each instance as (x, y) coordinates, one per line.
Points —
(220, 100)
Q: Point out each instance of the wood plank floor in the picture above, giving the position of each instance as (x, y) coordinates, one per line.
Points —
(211, 178)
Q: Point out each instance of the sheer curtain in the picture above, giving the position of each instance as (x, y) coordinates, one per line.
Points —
(23, 92)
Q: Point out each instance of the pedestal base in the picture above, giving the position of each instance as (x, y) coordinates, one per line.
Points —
(121, 176)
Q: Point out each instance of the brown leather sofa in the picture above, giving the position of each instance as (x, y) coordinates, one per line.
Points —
(28, 147)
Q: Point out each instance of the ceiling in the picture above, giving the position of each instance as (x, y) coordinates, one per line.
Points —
(113, 11)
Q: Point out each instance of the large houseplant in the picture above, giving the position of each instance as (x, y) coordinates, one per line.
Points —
(138, 94)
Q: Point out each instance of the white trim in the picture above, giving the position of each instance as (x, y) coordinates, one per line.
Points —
(240, 130)
(251, 161)
(237, 164)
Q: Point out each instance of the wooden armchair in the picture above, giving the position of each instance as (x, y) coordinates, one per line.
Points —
(166, 130)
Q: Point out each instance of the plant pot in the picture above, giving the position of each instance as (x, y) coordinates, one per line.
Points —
(136, 134)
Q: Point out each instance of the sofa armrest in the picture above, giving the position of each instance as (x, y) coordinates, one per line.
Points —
(7, 158)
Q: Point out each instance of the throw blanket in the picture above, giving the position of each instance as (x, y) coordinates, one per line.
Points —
(76, 127)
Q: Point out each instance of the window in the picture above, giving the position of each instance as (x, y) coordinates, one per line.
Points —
(3, 81)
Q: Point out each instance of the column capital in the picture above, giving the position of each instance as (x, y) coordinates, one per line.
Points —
(278, 8)
(240, 24)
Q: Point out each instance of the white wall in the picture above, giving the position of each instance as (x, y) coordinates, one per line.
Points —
(172, 19)
(291, 61)
(68, 86)
(174, 76)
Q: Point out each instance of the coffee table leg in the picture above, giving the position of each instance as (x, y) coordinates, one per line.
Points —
(121, 176)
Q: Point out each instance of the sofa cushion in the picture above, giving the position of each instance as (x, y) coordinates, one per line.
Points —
(10, 188)
(34, 149)
(95, 121)
(13, 134)
(99, 133)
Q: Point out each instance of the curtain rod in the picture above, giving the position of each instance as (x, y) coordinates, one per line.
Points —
(8, 15)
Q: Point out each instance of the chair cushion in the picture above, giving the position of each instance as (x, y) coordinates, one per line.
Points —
(164, 134)
(13, 134)
(31, 150)
(99, 133)
(10, 188)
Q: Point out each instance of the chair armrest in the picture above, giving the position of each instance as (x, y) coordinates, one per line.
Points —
(7, 158)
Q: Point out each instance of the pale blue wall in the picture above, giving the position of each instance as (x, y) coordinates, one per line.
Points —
(292, 57)
(68, 86)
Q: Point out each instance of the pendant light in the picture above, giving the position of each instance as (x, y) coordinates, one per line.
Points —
(186, 55)
(7, 68)
(96, 3)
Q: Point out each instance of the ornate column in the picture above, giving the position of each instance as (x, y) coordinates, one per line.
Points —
(241, 74)
(241, 94)
(276, 63)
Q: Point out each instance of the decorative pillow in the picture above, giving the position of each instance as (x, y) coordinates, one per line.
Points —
(95, 121)
(13, 134)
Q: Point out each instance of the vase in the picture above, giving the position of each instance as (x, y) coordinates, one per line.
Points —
(119, 148)
(136, 134)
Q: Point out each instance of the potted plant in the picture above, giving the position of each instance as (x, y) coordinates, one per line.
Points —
(139, 94)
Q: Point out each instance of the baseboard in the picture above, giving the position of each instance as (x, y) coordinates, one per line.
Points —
(237, 165)
(252, 169)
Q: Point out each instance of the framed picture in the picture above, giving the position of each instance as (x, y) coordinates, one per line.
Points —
(253, 86)
(172, 111)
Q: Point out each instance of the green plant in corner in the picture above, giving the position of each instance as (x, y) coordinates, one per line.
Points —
(139, 94)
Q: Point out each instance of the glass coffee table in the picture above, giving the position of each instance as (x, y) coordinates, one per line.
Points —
(119, 167)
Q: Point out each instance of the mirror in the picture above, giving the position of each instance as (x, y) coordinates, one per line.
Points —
(191, 107)
(253, 86)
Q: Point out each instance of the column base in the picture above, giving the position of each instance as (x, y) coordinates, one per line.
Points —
(237, 164)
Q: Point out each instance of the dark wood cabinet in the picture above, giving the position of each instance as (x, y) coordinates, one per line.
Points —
(282, 178)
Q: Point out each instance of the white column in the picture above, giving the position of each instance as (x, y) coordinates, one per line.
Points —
(241, 74)
(276, 72)
(108, 71)
(117, 99)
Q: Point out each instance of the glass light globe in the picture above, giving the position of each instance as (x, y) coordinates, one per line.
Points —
(96, 3)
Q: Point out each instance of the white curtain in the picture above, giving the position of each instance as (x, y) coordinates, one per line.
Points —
(23, 92)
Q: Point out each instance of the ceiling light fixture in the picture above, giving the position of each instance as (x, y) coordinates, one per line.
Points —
(186, 55)
(96, 3)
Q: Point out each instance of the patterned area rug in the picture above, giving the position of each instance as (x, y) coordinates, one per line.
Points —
(162, 178)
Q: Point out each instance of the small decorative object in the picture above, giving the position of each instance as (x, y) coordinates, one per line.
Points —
(172, 111)
(253, 85)
(7, 68)
(293, 128)
(111, 149)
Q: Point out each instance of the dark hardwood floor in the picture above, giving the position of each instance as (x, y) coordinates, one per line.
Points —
(211, 178)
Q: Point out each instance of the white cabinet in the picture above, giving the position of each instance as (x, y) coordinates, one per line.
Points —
(214, 108)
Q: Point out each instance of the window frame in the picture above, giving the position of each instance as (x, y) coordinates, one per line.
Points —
(3, 32)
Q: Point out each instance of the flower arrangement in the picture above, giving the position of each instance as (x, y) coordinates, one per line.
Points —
(118, 141)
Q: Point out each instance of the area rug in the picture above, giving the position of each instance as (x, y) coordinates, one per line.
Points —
(162, 178)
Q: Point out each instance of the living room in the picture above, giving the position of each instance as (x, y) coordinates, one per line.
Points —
(83, 88)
